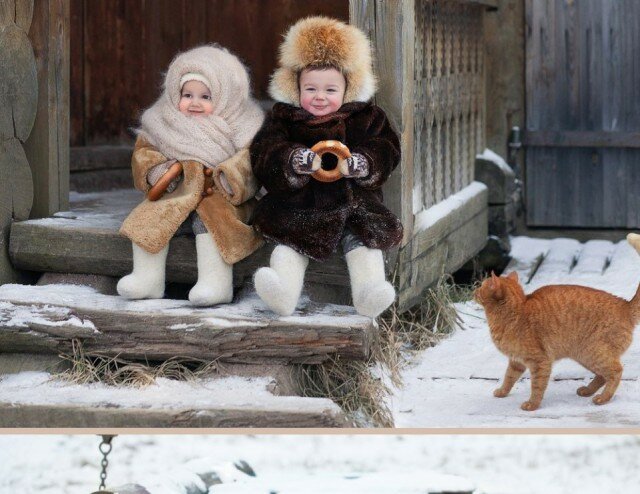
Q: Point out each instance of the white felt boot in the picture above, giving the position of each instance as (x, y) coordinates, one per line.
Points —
(280, 285)
(371, 292)
(147, 278)
(215, 277)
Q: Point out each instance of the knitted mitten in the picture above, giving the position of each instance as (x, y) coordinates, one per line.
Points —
(370, 291)
(280, 285)
(147, 278)
(305, 162)
(356, 166)
(215, 277)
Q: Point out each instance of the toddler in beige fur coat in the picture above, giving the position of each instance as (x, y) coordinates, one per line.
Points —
(205, 118)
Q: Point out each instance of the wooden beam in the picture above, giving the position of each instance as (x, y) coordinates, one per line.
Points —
(578, 138)
(48, 145)
(18, 102)
(48, 319)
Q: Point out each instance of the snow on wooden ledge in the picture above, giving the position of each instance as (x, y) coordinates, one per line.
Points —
(429, 217)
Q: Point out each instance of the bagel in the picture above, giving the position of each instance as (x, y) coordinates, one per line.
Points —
(337, 149)
(158, 190)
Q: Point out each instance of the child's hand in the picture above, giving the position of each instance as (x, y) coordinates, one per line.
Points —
(305, 161)
(356, 166)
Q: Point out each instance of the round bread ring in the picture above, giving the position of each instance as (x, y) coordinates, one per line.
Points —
(158, 190)
(336, 148)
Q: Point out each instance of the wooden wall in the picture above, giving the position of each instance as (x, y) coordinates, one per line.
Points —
(119, 49)
(583, 113)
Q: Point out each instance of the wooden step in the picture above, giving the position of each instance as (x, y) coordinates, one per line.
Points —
(47, 319)
(85, 239)
(36, 399)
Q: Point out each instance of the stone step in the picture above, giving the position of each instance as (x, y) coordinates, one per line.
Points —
(85, 240)
(37, 399)
(49, 319)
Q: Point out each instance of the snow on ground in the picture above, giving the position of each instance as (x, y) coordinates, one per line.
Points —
(451, 385)
(514, 464)
(232, 392)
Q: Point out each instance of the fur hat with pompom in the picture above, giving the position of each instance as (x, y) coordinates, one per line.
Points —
(324, 42)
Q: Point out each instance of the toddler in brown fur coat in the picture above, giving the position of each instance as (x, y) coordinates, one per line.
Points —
(322, 89)
(205, 118)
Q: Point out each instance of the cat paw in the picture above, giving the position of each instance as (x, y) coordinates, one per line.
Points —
(584, 391)
(529, 406)
(500, 393)
(600, 400)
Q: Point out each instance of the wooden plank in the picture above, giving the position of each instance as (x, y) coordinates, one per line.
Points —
(48, 144)
(460, 209)
(108, 157)
(18, 86)
(443, 247)
(70, 416)
(76, 75)
(48, 319)
(17, 12)
(579, 138)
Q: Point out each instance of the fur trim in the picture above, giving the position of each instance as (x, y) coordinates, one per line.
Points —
(322, 41)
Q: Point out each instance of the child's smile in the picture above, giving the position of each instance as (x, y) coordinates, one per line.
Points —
(321, 91)
(195, 99)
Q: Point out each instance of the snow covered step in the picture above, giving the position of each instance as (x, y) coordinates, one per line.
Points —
(36, 399)
(526, 255)
(594, 257)
(46, 319)
(85, 239)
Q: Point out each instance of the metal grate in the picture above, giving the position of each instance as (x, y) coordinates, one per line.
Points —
(449, 112)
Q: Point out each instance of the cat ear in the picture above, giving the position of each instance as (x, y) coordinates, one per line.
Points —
(513, 276)
(496, 287)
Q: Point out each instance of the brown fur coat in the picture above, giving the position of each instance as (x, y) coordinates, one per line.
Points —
(311, 216)
(152, 224)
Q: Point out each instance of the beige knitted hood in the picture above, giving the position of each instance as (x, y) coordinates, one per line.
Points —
(322, 41)
(209, 139)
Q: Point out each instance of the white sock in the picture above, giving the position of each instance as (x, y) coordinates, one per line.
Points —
(370, 291)
(215, 276)
(147, 278)
(280, 285)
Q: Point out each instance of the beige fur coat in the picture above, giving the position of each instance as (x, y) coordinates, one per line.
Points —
(152, 224)
(219, 141)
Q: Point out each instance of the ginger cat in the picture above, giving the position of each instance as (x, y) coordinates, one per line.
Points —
(590, 326)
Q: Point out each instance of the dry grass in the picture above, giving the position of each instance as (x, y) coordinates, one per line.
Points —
(429, 322)
(358, 386)
(115, 371)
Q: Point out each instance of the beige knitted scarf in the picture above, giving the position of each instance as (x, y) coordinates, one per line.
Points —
(208, 139)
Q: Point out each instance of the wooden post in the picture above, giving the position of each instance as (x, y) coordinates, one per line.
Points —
(48, 145)
(18, 99)
(390, 26)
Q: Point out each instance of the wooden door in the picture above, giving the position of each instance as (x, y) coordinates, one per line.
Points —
(583, 113)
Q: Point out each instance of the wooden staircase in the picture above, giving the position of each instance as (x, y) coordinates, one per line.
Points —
(46, 320)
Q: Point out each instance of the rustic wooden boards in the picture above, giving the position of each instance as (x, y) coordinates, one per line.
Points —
(447, 235)
(18, 102)
(583, 109)
(48, 145)
(47, 319)
(38, 399)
